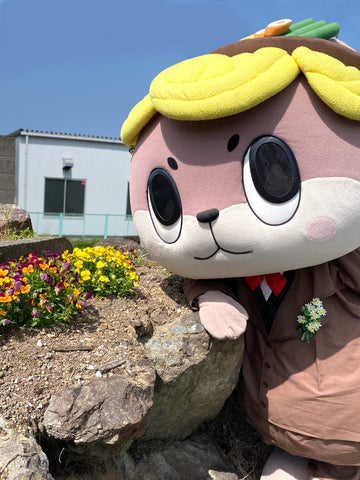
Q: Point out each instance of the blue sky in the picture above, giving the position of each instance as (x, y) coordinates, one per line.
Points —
(79, 66)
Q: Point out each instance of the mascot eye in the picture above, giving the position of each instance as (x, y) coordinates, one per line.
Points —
(271, 180)
(233, 142)
(164, 205)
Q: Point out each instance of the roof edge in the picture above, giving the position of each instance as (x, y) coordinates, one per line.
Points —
(68, 136)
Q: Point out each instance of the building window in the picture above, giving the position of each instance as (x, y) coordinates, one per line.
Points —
(64, 196)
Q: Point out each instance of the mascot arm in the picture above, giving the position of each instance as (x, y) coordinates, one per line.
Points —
(220, 314)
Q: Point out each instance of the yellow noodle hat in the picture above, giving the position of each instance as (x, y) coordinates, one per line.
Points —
(237, 77)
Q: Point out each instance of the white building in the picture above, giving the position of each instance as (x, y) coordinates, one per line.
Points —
(73, 185)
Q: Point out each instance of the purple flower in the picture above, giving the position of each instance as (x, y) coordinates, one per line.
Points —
(17, 285)
(50, 280)
(66, 266)
(11, 291)
(35, 313)
(17, 276)
(60, 286)
(88, 295)
(50, 307)
(43, 276)
(5, 321)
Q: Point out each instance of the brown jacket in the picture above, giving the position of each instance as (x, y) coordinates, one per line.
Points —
(311, 389)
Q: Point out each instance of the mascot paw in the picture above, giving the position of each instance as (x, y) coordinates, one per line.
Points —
(283, 466)
(222, 316)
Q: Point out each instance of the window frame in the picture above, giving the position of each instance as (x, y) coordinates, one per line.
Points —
(64, 199)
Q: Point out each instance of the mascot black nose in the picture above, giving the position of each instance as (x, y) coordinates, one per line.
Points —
(208, 216)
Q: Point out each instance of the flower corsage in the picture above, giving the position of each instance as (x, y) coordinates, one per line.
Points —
(310, 321)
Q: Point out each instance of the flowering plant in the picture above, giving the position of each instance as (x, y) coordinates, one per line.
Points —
(310, 321)
(105, 271)
(40, 291)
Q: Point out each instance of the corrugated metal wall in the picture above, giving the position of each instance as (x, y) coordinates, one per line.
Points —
(104, 167)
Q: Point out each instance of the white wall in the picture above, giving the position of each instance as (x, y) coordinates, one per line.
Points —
(105, 168)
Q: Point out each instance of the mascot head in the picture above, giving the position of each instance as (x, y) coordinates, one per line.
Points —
(247, 160)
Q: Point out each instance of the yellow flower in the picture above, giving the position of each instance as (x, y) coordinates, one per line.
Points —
(43, 295)
(79, 264)
(85, 274)
(133, 276)
(100, 264)
(103, 279)
(43, 266)
(53, 269)
(2, 312)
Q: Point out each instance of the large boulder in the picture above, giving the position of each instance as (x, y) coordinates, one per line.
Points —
(195, 376)
(103, 417)
(13, 218)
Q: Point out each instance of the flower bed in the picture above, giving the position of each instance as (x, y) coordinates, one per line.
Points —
(38, 291)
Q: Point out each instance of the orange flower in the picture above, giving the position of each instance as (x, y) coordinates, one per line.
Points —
(28, 269)
(25, 288)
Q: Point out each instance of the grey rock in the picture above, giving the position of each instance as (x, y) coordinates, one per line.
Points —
(196, 458)
(21, 458)
(195, 376)
(14, 217)
(185, 379)
(106, 414)
(10, 250)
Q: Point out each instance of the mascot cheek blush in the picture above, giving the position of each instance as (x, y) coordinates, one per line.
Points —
(245, 179)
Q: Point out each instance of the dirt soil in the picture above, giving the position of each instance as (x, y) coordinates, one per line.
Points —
(103, 340)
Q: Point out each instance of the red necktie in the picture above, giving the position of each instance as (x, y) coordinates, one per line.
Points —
(276, 282)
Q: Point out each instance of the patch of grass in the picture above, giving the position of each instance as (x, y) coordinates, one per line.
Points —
(84, 242)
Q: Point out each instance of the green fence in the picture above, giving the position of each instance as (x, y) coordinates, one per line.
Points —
(90, 224)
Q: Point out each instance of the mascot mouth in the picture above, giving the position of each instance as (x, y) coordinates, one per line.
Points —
(219, 248)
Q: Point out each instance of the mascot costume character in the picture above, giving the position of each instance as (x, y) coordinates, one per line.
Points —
(245, 179)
